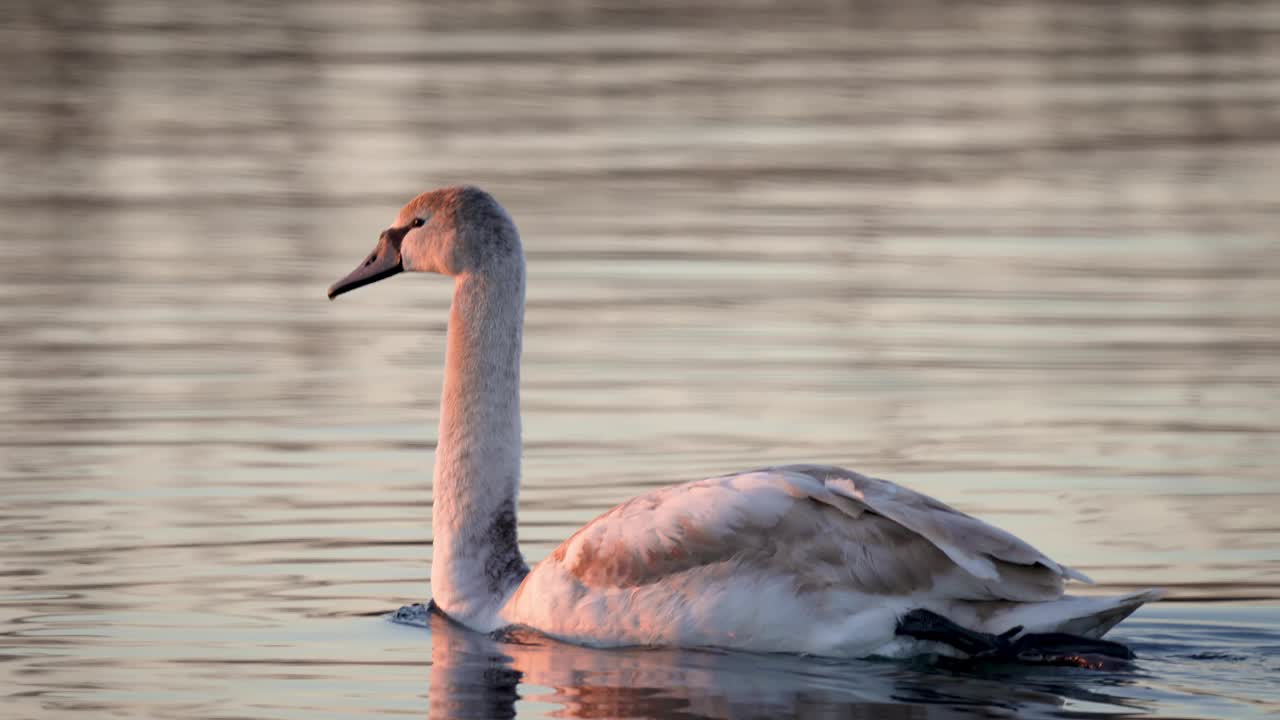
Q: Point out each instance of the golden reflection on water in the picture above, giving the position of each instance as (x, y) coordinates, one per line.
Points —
(1021, 256)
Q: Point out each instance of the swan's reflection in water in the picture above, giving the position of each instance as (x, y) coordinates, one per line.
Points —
(477, 676)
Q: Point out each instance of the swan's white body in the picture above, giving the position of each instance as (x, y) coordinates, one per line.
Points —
(802, 558)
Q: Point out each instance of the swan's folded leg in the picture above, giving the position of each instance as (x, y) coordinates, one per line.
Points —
(1040, 648)
(924, 624)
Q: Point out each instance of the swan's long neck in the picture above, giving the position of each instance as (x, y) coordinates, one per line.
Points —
(476, 563)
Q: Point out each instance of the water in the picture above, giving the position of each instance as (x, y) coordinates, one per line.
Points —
(1022, 256)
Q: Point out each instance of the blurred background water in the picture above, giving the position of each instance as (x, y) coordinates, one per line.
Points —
(1021, 255)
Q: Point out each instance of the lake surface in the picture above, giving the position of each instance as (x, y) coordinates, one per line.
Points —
(1021, 256)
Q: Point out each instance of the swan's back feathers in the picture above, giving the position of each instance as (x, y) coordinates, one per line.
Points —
(752, 522)
(819, 527)
(973, 544)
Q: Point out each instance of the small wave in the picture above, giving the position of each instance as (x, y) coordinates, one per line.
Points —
(1209, 655)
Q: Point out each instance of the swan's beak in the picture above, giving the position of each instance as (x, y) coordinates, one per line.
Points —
(383, 262)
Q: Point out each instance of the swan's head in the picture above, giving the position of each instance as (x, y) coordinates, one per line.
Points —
(451, 231)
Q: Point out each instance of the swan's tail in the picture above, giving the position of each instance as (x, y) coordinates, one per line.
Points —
(1089, 617)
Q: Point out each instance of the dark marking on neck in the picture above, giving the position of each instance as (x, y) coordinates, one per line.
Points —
(505, 566)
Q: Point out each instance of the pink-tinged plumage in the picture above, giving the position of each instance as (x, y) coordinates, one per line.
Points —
(804, 558)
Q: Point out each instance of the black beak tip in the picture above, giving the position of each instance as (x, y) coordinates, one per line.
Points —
(382, 263)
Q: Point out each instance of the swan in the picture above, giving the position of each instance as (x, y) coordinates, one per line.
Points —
(811, 559)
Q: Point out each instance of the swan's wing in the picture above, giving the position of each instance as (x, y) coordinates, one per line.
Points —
(822, 527)
(973, 544)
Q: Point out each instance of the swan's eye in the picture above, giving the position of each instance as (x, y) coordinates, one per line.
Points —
(417, 222)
